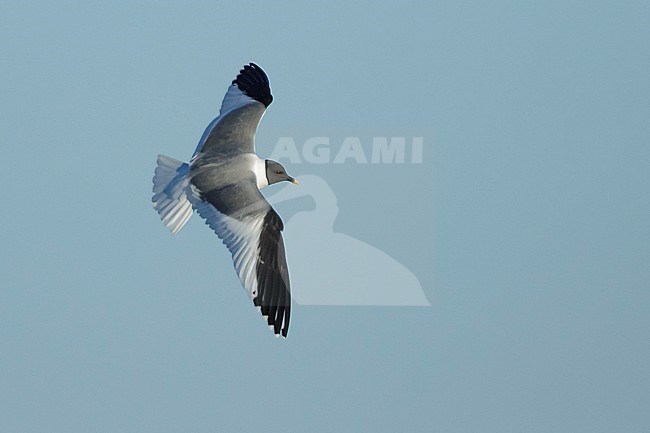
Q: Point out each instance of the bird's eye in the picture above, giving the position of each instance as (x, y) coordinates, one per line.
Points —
(278, 172)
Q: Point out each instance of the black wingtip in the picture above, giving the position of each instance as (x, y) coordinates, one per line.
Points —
(285, 327)
(274, 315)
(273, 295)
(252, 80)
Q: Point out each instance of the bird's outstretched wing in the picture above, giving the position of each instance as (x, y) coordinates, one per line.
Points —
(233, 131)
(251, 229)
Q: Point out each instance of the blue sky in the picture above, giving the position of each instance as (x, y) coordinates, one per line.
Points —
(526, 223)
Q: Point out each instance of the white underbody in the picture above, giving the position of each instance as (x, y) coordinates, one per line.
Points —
(259, 169)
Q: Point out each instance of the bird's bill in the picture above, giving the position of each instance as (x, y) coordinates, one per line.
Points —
(294, 181)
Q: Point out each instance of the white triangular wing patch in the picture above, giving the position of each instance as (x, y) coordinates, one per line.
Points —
(241, 238)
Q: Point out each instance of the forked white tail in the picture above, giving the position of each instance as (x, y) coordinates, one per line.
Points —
(171, 185)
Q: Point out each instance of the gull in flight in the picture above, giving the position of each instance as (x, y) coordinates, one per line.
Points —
(222, 183)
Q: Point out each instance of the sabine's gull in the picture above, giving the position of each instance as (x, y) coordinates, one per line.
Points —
(222, 183)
